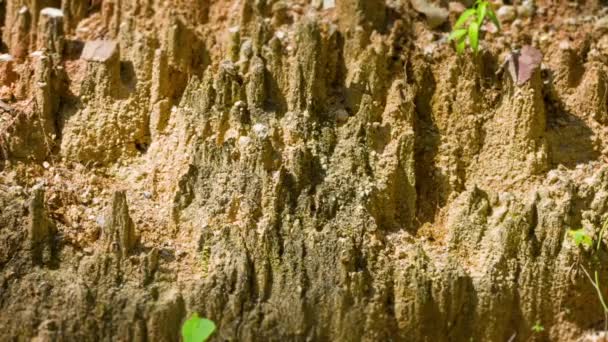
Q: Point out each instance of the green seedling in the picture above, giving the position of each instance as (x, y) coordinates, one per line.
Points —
(538, 328)
(580, 238)
(197, 329)
(475, 18)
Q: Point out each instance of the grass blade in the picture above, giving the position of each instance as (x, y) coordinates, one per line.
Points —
(493, 18)
(463, 18)
(461, 45)
(481, 12)
(599, 239)
(458, 34)
(599, 292)
(474, 36)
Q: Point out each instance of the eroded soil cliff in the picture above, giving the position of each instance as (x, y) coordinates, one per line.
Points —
(298, 171)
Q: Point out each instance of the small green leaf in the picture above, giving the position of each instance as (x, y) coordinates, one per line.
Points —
(474, 36)
(458, 34)
(538, 328)
(493, 18)
(460, 46)
(579, 237)
(463, 18)
(481, 12)
(197, 329)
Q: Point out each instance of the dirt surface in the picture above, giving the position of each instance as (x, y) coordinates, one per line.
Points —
(299, 171)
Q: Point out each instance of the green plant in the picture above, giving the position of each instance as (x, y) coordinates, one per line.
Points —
(475, 17)
(538, 328)
(581, 238)
(197, 329)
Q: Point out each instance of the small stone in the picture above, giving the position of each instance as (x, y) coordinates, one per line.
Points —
(541, 10)
(456, 7)
(571, 22)
(52, 12)
(147, 194)
(517, 24)
(280, 34)
(435, 16)
(565, 45)
(526, 9)
(602, 24)
(5, 57)
(86, 197)
(244, 141)
(544, 39)
(260, 130)
(101, 221)
(328, 4)
(506, 13)
(342, 115)
(99, 50)
(588, 19)
(429, 49)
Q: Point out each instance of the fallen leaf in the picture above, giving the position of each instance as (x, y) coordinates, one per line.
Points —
(522, 64)
(529, 60)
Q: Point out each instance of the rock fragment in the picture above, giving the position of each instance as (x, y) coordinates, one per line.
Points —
(327, 4)
(103, 68)
(435, 15)
(601, 25)
(100, 51)
(506, 13)
(526, 9)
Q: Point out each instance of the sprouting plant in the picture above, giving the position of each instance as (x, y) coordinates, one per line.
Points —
(475, 17)
(197, 329)
(538, 328)
(581, 238)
